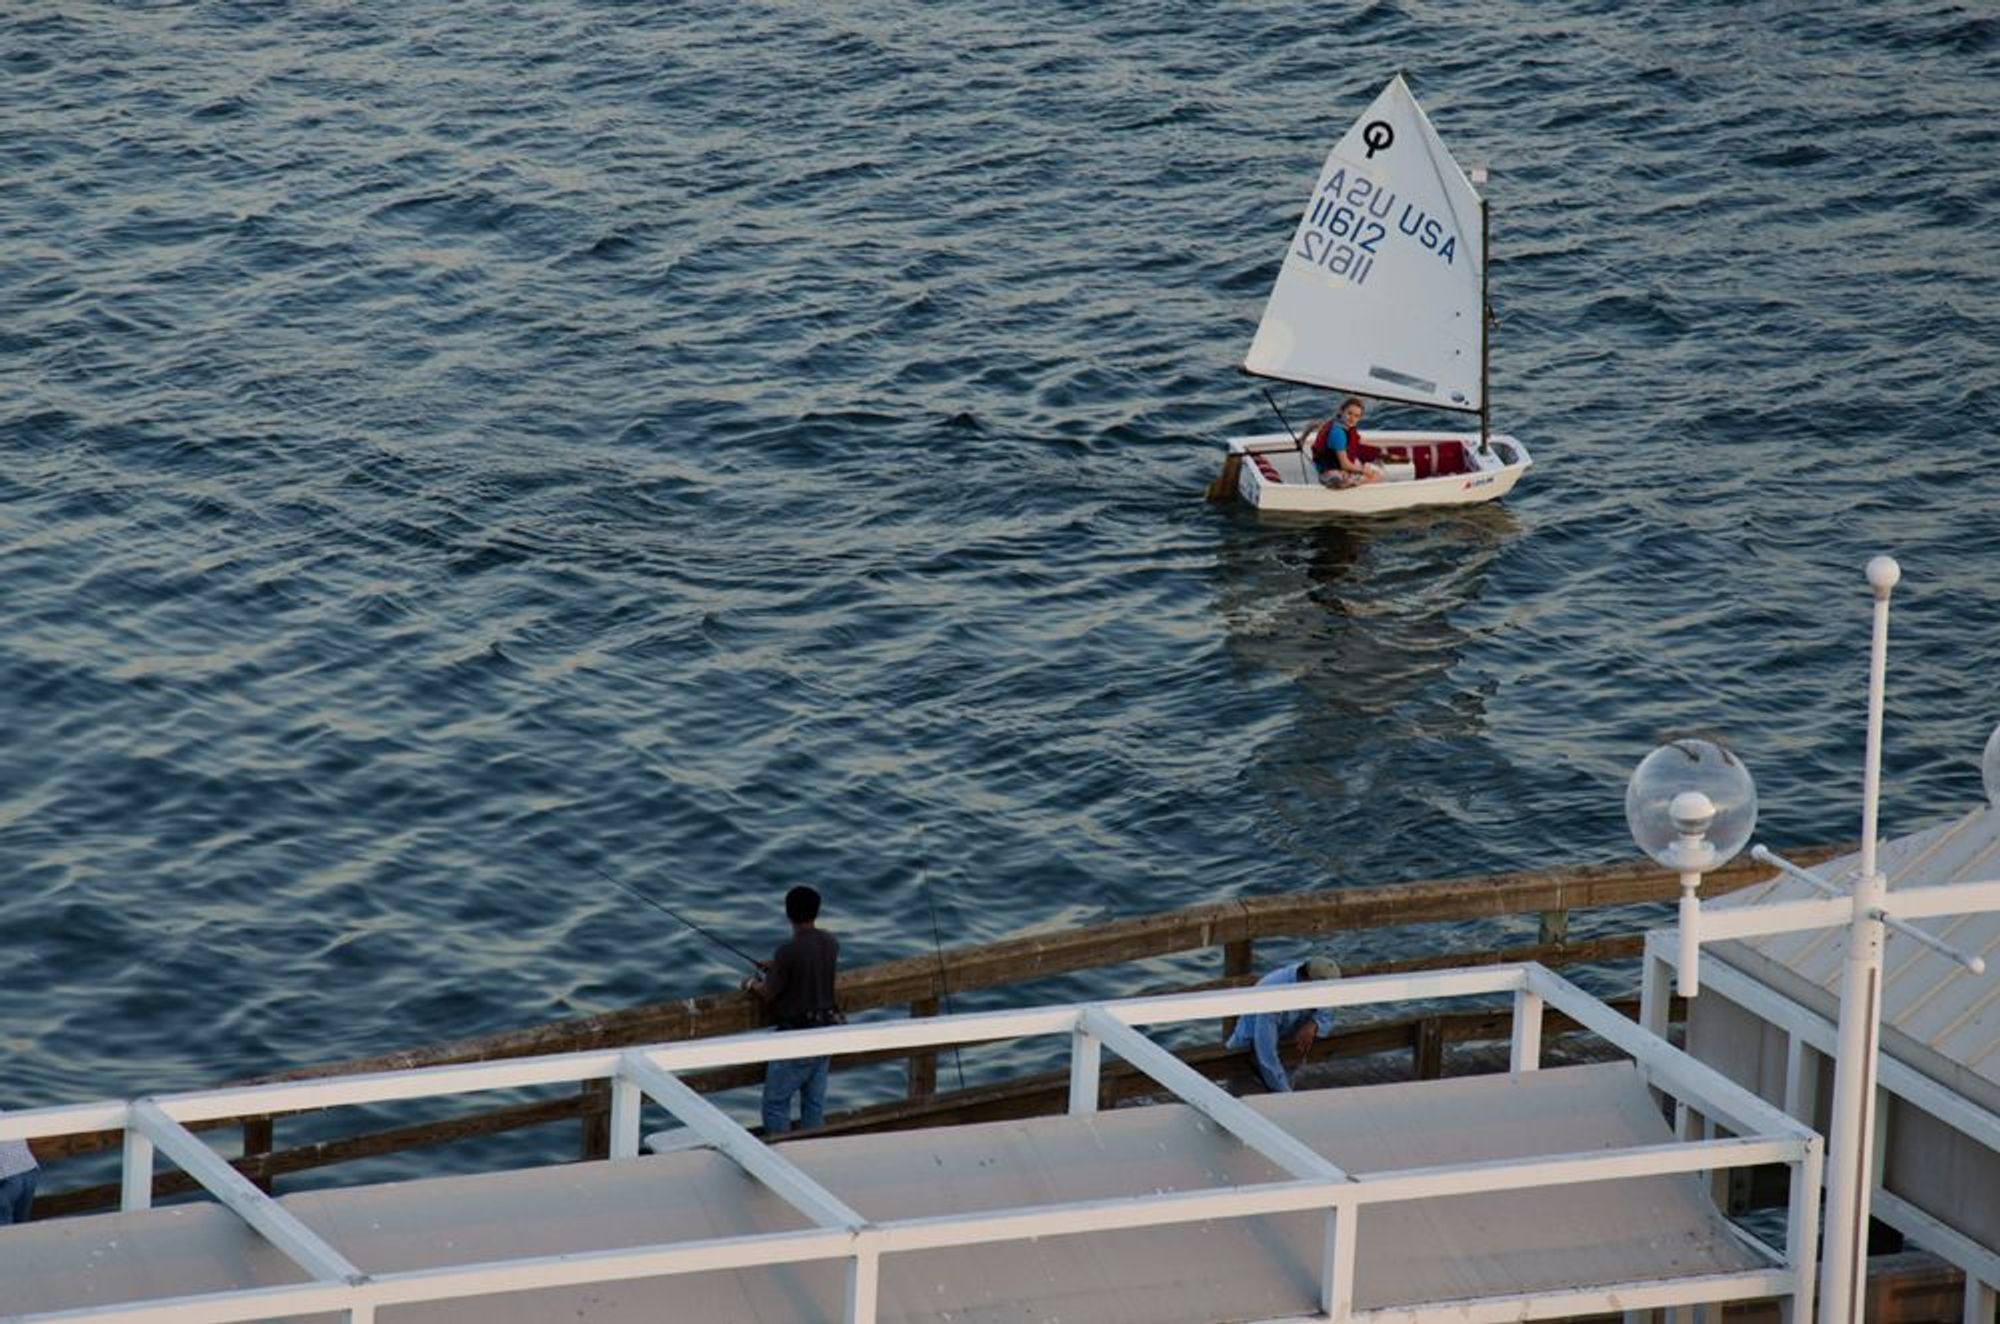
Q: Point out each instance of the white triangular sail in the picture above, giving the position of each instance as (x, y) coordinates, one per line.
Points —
(1381, 288)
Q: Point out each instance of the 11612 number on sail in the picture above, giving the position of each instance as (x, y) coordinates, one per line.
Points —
(1340, 239)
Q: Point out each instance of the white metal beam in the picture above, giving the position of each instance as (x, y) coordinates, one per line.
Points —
(1949, 899)
(254, 1303)
(274, 1222)
(1572, 1169)
(1359, 991)
(784, 1177)
(64, 1120)
(1718, 925)
(1694, 1081)
(1589, 1301)
(387, 1086)
(1113, 1213)
(1291, 1154)
(457, 1281)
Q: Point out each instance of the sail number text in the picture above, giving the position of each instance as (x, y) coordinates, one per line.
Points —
(1350, 219)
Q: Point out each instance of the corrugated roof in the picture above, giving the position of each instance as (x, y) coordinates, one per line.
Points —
(1937, 1016)
(1634, 1230)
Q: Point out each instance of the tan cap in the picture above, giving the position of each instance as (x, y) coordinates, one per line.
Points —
(1322, 967)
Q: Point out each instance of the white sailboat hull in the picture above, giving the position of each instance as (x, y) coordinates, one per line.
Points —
(1273, 476)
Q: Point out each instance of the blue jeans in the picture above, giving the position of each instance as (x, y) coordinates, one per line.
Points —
(17, 1196)
(803, 1076)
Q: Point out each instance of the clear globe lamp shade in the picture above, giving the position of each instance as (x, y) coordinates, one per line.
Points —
(1673, 770)
(1989, 768)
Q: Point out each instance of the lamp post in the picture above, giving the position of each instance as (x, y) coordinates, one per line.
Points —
(1678, 818)
(1691, 805)
(1850, 1146)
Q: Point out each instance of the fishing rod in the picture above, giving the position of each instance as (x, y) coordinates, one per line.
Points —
(666, 909)
(937, 940)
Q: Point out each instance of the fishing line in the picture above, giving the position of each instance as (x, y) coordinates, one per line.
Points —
(666, 909)
(937, 941)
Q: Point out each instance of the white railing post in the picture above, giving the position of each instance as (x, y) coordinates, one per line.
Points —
(1802, 1233)
(1980, 1300)
(136, 1189)
(864, 1277)
(1527, 1045)
(1086, 1065)
(626, 1100)
(1336, 1285)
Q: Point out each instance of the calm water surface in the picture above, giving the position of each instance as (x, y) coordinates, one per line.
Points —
(449, 449)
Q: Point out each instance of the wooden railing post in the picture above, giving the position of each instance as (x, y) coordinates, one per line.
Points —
(1429, 1048)
(595, 1100)
(1237, 961)
(257, 1140)
(923, 1062)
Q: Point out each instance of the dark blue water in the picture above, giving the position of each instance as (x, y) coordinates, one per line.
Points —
(447, 448)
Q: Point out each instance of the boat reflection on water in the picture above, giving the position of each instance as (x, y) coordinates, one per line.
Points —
(1368, 759)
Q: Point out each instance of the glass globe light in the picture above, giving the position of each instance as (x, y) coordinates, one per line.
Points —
(1989, 768)
(1691, 805)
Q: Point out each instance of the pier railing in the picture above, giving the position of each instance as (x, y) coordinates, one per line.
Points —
(923, 984)
(1305, 1180)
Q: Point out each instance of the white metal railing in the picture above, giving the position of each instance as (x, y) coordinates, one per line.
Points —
(1764, 1135)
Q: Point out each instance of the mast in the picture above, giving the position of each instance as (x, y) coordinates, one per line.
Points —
(1485, 314)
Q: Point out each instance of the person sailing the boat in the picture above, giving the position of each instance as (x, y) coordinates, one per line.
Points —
(1336, 449)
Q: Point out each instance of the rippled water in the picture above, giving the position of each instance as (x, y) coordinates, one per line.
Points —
(452, 448)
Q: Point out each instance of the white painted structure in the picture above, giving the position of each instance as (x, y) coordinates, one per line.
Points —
(1946, 1131)
(1768, 1018)
(1536, 1194)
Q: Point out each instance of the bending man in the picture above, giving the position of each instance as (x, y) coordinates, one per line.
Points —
(1266, 1032)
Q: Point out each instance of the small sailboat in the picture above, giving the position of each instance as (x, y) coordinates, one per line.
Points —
(1382, 293)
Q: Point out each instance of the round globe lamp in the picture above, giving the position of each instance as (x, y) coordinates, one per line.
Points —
(1691, 805)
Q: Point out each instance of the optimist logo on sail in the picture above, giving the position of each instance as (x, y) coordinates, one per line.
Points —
(1353, 216)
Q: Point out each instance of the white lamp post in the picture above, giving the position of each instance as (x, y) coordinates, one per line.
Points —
(1679, 819)
(1691, 805)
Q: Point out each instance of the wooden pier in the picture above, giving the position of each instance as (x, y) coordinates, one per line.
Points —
(1906, 1287)
(921, 985)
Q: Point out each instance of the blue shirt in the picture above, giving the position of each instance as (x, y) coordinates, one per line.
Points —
(1326, 447)
(1267, 1029)
(15, 1158)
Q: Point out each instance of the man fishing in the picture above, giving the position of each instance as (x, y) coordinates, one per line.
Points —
(797, 985)
(1265, 1033)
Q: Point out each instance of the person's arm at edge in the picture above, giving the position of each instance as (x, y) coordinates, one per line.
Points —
(1268, 1064)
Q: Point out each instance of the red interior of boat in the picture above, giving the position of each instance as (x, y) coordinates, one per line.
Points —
(1432, 459)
